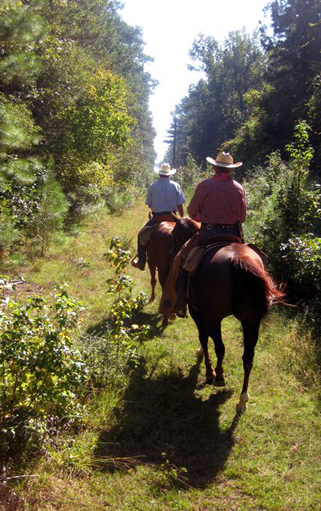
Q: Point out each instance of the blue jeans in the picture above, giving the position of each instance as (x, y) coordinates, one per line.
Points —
(141, 250)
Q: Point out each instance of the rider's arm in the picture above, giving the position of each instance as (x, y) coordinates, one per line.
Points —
(194, 206)
(181, 210)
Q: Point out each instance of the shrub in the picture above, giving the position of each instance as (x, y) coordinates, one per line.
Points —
(40, 371)
(302, 261)
(284, 213)
(118, 199)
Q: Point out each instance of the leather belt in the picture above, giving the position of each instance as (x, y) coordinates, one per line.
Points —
(209, 227)
(162, 213)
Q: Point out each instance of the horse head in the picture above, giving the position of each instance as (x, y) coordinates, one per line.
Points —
(183, 231)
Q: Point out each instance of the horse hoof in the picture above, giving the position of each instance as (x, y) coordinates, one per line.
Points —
(164, 322)
(209, 381)
(241, 406)
(219, 382)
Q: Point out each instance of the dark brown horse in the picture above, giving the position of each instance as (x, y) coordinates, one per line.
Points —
(230, 281)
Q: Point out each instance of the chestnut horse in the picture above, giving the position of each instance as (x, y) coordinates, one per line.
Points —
(230, 281)
(165, 241)
(159, 254)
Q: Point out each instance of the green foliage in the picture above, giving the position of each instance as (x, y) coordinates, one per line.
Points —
(50, 214)
(118, 199)
(73, 92)
(100, 117)
(9, 234)
(300, 151)
(94, 95)
(21, 28)
(188, 175)
(110, 353)
(303, 255)
(291, 78)
(216, 105)
(284, 219)
(18, 131)
(41, 372)
(281, 196)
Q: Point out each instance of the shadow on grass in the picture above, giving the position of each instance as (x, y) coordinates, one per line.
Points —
(155, 321)
(164, 415)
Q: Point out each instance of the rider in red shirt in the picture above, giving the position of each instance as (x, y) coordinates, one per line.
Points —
(219, 202)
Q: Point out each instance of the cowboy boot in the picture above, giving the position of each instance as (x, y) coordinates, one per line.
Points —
(140, 260)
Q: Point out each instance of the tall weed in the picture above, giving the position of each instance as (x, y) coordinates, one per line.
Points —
(110, 352)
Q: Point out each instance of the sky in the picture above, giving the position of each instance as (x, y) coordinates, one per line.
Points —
(169, 29)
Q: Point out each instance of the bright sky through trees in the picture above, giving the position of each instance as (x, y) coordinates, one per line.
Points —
(169, 28)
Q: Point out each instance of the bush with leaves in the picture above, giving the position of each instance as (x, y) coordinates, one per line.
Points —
(189, 175)
(40, 370)
(284, 219)
(112, 352)
(302, 261)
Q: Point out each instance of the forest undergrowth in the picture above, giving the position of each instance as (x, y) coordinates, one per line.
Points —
(154, 437)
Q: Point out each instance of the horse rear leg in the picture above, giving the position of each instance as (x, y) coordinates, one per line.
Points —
(203, 337)
(250, 334)
(216, 334)
(152, 270)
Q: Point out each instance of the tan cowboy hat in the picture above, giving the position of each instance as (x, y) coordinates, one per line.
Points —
(165, 170)
(224, 160)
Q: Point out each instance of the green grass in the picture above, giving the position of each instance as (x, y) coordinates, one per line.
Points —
(162, 441)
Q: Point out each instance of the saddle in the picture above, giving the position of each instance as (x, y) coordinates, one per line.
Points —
(146, 232)
(213, 243)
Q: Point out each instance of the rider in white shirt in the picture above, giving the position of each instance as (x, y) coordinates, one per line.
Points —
(163, 197)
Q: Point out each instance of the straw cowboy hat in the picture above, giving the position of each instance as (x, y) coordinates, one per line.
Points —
(165, 170)
(224, 160)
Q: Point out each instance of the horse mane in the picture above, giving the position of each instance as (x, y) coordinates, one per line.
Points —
(254, 277)
(184, 229)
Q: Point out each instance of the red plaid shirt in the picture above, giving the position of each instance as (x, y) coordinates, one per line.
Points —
(218, 200)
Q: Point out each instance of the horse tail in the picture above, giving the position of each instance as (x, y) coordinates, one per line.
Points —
(254, 279)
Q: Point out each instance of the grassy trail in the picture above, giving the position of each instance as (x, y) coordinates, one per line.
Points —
(173, 444)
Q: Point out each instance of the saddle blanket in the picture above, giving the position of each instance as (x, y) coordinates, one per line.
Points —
(197, 253)
(146, 232)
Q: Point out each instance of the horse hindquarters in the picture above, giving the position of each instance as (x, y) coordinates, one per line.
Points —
(159, 252)
(226, 283)
(252, 300)
(210, 301)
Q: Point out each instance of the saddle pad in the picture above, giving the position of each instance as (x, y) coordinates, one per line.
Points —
(145, 234)
(197, 253)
